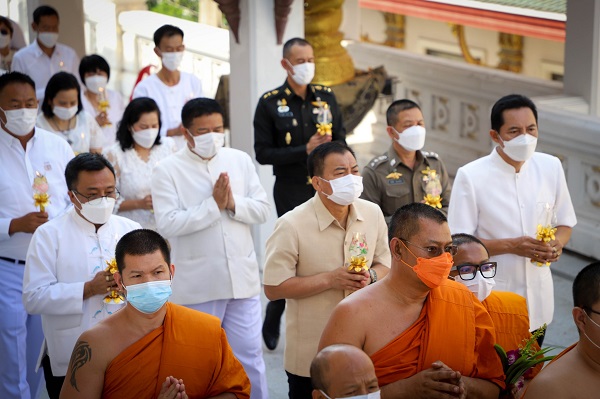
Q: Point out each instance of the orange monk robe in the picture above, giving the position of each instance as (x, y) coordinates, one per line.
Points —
(190, 345)
(511, 322)
(453, 328)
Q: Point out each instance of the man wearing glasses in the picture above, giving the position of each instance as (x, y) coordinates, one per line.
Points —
(473, 268)
(66, 278)
(426, 335)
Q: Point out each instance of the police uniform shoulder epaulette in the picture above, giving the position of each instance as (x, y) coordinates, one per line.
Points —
(430, 154)
(378, 161)
(322, 88)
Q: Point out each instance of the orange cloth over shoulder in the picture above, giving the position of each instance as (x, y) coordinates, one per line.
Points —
(452, 328)
(511, 321)
(191, 346)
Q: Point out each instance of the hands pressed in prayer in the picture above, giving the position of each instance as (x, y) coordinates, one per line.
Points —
(221, 191)
(343, 279)
(437, 382)
(172, 388)
(458, 381)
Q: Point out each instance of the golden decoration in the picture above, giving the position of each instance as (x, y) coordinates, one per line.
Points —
(358, 264)
(429, 173)
(288, 138)
(433, 200)
(324, 128)
(394, 176)
(40, 187)
(41, 201)
(545, 234)
(113, 296)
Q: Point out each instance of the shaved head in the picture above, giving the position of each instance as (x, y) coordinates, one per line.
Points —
(338, 368)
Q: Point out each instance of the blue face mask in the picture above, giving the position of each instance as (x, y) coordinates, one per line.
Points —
(149, 297)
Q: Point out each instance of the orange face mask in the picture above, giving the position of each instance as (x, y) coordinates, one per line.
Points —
(433, 271)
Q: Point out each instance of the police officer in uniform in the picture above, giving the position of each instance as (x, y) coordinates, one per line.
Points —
(289, 123)
(405, 174)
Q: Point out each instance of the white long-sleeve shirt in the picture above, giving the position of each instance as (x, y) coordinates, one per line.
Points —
(45, 153)
(491, 201)
(212, 250)
(64, 254)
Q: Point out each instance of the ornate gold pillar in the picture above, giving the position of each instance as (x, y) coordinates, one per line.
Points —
(394, 29)
(511, 52)
(322, 20)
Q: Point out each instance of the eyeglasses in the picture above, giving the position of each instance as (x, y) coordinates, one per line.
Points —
(468, 272)
(96, 199)
(434, 251)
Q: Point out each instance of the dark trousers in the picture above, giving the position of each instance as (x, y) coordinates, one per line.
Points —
(300, 387)
(53, 384)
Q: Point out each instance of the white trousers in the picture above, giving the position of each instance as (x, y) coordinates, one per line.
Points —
(242, 321)
(21, 338)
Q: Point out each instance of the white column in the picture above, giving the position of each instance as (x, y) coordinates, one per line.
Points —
(582, 52)
(255, 69)
(351, 20)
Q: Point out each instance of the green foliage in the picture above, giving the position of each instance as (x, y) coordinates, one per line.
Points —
(184, 9)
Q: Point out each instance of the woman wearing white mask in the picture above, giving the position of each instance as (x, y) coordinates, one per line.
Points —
(6, 53)
(63, 114)
(139, 148)
(94, 72)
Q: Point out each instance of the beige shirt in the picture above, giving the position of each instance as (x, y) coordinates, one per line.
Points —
(308, 241)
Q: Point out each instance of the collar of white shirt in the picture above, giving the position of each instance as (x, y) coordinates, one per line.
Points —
(39, 52)
(8, 139)
(84, 225)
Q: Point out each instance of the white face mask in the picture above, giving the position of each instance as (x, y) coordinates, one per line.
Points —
(20, 122)
(145, 138)
(480, 286)
(65, 113)
(372, 395)
(4, 40)
(48, 39)
(95, 83)
(207, 145)
(303, 73)
(97, 213)
(521, 148)
(171, 61)
(345, 189)
(412, 138)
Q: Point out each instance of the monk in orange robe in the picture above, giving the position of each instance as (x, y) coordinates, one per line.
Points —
(507, 309)
(575, 373)
(153, 348)
(426, 335)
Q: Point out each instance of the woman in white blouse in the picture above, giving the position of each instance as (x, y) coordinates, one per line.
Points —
(139, 148)
(63, 114)
(107, 105)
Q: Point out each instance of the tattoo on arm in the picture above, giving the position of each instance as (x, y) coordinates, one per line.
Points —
(81, 355)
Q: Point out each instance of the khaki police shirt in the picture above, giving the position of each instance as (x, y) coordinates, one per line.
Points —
(393, 192)
(307, 241)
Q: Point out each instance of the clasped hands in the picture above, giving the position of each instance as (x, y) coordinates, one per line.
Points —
(222, 193)
(343, 279)
(538, 250)
(172, 388)
(439, 381)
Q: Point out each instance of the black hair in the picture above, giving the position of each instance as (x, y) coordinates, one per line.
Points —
(405, 221)
(93, 63)
(44, 11)
(316, 159)
(141, 242)
(15, 77)
(6, 21)
(287, 47)
(58, 82)
(464, 238)
(84, 162)
(391, 115)
(198, 107)
(512, 101)
(586, 287)
(166, 31)
(134, 110)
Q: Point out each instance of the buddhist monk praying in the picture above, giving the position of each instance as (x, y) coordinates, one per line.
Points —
(428, 336)
(153, 348)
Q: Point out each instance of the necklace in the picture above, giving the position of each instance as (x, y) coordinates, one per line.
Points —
(54, 123)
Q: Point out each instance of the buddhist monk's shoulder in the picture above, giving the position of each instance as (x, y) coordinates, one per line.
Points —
(368, 296)
(559, 379)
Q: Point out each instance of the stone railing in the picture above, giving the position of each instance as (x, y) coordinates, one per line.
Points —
(456, 100)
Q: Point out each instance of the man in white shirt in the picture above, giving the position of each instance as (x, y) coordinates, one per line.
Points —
(44, 57)
(169, 87)
(24, 150)
(205, 199)
(503, 197)
(65, 275)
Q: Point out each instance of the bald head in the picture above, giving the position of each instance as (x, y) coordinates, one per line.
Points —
(342, 371)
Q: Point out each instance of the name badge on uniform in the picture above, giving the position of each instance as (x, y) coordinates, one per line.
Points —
(282, 106)
(395, 178)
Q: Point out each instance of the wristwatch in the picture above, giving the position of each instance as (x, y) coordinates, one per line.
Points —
(373, 274)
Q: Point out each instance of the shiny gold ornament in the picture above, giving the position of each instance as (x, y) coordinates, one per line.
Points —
(394, 176)
(545, 234)
(358, 264)
(324, 128)
(113, 296)
(288, 138)
(433, 200)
